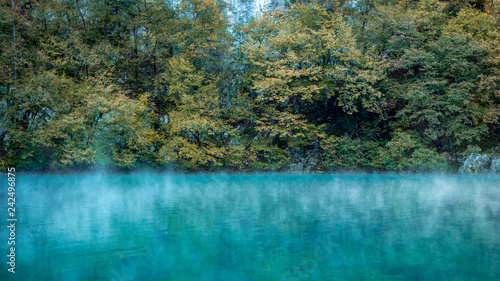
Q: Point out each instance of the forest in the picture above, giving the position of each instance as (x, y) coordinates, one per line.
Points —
(319, 85)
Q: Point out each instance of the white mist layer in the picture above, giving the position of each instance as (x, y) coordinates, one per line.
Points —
(109, 219)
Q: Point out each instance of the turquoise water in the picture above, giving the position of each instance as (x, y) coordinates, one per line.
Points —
(255, 227)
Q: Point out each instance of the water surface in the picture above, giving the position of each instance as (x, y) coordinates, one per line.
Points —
(256, 227)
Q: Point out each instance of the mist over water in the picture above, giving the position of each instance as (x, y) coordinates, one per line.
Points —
(256, 227)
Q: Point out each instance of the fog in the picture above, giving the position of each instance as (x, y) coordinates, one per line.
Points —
(257, 227)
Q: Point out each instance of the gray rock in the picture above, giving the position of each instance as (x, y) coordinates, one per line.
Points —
(475, 163)
(495, 166)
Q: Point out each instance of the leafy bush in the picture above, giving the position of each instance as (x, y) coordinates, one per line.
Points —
(406, 152)
(347, 153)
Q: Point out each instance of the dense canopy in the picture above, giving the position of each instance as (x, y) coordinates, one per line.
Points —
(322, 85)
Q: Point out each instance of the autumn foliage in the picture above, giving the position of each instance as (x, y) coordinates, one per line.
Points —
(380, 85)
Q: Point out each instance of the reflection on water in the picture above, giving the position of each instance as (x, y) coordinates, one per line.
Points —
(256, 227)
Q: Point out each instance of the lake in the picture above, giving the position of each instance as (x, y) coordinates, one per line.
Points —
(255, 227)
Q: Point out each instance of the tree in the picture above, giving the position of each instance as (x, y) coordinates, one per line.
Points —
(305, 70)
(435, 65)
